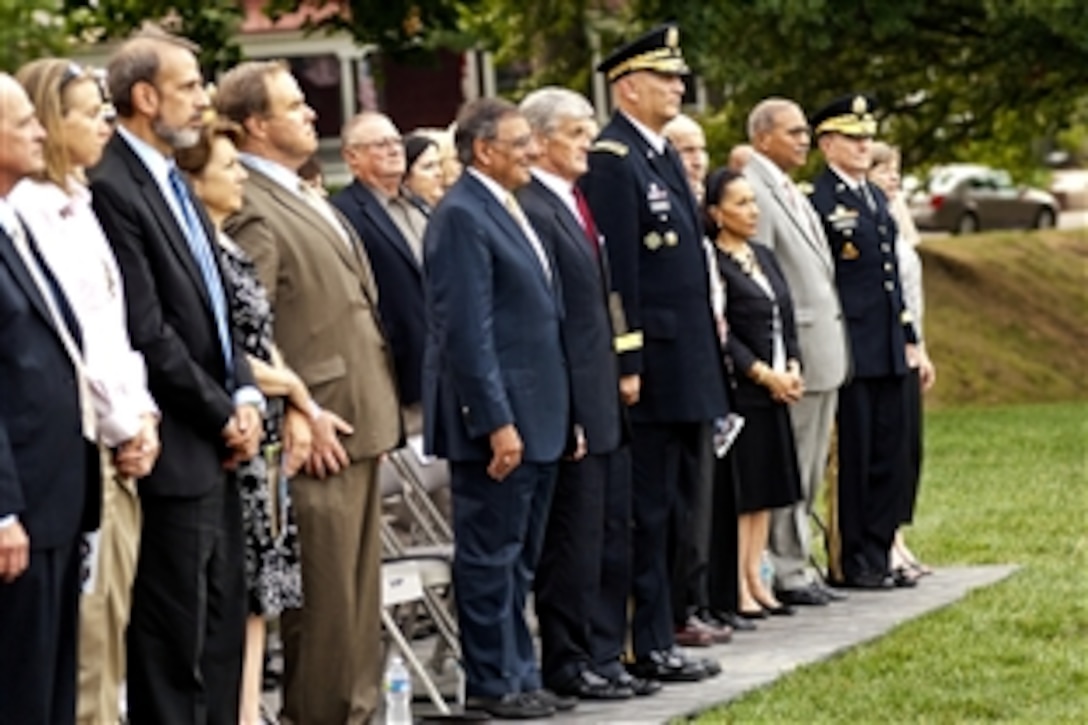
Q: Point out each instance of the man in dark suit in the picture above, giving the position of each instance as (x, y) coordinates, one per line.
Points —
(496, 400)
(391, 227)
(861, 234)
(670, 365)
(47, 462)
(184, 640)
(584, 575)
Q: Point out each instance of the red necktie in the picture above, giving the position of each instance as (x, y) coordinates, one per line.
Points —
(587, 219)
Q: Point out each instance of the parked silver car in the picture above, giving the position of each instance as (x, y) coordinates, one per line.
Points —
(965, 198)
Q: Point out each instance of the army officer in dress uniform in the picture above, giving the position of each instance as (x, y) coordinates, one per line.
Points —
(670, 368)
(862, 233)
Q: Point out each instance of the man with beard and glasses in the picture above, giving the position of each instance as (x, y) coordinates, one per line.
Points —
(184, 641)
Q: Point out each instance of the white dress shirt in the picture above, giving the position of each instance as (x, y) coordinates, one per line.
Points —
(75, 248)
(293, 183)
(159, 167)
(561, 188)
(656, 140)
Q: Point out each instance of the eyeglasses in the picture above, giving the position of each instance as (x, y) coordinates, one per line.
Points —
(520, 142)
(690, 150)
(383, 144)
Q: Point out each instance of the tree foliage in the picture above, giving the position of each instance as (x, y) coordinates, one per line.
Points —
(212, 24)
(955, 78)
(550, 41)
(404, 28)
(979, 79)
(30, 29)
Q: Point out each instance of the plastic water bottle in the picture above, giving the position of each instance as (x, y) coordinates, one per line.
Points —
(766, 571)
(398, 693)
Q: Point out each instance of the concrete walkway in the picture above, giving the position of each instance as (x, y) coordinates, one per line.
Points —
(781, 645)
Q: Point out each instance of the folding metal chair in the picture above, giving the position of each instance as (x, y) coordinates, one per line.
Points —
(409, 583)
(407, 479)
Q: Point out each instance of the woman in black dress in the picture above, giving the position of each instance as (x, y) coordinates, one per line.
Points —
(763, 360)
(273, 573)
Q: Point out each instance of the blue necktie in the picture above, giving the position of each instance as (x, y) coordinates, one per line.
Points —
(200, 246)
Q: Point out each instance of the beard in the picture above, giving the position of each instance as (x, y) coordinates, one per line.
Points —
(176, 138)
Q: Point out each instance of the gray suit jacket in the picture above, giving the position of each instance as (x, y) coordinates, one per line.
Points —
(798, 241)
(325, 303)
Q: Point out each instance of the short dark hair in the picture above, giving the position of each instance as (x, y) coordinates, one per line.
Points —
(717, 181)
(137, 61)
(243, 90)
(479, 119)
(193, 159)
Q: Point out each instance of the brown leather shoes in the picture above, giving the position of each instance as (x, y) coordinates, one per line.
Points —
(720, 633)
(691, 635)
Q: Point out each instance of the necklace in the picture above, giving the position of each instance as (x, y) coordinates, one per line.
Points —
(743, 256)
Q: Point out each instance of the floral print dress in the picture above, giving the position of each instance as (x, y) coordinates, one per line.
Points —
(273, 572)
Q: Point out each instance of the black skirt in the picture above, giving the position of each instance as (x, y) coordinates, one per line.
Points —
(766, 459)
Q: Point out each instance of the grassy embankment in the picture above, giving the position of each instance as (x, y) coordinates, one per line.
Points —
(1006, 481)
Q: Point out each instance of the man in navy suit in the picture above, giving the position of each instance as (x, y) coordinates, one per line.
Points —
(584, 575)
(861, 234)
(496, 400)
(184, 639)
(670, 365)
(391, 227)
(48, 466)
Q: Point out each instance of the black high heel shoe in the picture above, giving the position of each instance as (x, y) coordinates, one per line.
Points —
(779, 610)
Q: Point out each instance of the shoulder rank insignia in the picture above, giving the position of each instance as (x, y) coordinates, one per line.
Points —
(612, 147)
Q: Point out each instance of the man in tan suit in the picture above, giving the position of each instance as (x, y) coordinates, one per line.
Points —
(788, 224)
(326, 324)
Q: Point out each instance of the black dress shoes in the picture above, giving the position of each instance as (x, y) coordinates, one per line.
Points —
(713, 667)
(668, 666)
(588, 685)
(808, 596)
(511, 706)
(867, 580)
(903, 578)
(737, 622)
(641, 687)
(779, 610)
(832, 594)
(760, 613)
(560, 703)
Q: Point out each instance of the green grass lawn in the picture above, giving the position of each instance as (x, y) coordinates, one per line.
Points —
(1001, 485)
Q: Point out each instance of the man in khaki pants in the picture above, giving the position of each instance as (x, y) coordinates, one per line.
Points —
(325, 302)
(104, 606)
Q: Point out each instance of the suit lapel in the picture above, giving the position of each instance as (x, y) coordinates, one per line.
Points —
(501, 216)
(293, 204)
(803, 217)
(666, 166)
(19, 271)
(380, 218)
(350, 254)
(575, 234)
(164, 215)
